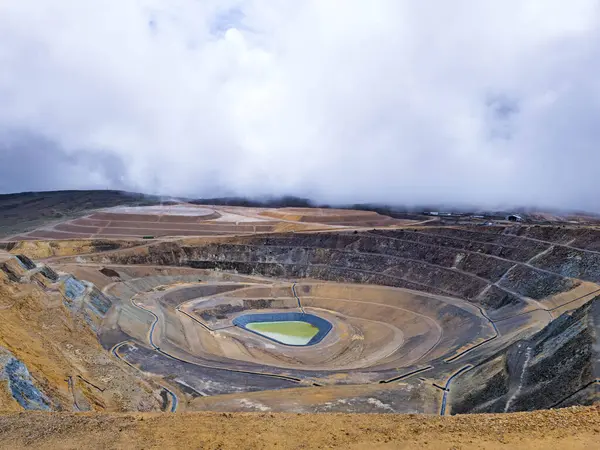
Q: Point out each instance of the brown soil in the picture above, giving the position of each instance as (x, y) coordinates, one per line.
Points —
(46, 249)
(55, 344)
(573, 428)
(332, 217)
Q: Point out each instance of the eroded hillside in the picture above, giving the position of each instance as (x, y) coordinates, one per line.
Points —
(51, 358)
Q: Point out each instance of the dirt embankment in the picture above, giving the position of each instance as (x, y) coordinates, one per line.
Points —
(57, 346)
(49, 249)
(572, 428)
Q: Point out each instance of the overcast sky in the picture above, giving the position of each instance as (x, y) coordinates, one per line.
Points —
(488, 102)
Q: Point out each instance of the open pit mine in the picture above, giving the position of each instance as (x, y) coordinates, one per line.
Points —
(200, 308)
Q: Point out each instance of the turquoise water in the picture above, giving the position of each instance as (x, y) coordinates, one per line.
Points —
(286, 332)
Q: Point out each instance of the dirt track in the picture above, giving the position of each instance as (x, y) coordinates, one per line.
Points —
(572, 428)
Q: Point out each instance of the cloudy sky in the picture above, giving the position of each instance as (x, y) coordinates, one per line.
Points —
(468, 102)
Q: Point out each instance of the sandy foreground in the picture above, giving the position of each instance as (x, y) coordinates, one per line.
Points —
(571, 428)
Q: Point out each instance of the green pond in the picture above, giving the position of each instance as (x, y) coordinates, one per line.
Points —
(286, 332)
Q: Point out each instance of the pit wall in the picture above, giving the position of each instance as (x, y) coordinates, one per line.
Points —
(323, 325)
(46, 249)
(582, 238)
(557, 366)
(489, 268)
(325, 264)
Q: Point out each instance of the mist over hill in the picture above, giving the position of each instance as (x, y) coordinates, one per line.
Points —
(493, 106)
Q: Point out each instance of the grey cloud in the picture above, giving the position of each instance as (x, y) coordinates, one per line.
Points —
(490, 103)
(32, 163)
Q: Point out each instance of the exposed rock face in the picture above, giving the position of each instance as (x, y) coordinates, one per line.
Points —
(557, 367)
(27, 263)
(20, 384)
(520, 272)
(485, 268)
(51, 358)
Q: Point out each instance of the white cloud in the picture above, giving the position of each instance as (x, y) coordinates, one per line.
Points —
(397, 101)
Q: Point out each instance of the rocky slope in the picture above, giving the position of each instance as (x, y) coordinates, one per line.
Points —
(557, 367)
(496, 271)
(50, 357)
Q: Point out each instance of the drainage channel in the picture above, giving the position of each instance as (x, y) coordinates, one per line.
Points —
(446, 388)
(297, 298)
(406, 375)
(174, 401)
